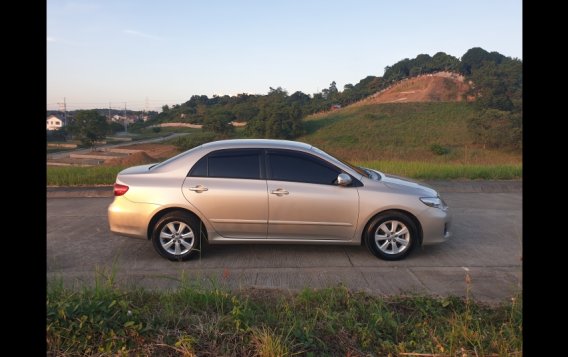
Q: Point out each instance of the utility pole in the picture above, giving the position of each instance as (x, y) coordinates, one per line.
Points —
(64, 105)
(64, 111)
(125, 122)
(109, 117)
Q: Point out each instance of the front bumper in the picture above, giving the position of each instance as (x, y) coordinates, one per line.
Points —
(436, 226)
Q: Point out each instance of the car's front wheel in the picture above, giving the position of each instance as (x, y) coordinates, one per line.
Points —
(391, 235)
(176, 236)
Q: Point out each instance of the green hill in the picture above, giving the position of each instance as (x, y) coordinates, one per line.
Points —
(428, 131)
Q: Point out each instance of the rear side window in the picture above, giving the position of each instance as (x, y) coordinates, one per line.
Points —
(243, 164)
(200, 168)
(299, 167)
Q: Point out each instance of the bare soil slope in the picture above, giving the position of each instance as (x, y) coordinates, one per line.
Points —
(435, 87)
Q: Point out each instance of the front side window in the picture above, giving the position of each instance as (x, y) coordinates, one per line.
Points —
(242, 164)
(300, 167)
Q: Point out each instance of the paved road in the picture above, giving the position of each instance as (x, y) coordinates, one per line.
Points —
(487, 231)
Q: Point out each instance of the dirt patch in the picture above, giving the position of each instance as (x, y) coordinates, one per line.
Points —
(157, 151)
(139, 158)
(149, 153)
(436, 87)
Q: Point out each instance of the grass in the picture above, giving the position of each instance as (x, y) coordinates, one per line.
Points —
(52, 150)
(79, 176)
(443, 171)
(193, 320)
(106, 175)
(402, 132)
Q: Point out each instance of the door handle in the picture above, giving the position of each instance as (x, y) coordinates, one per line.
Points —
(198, 188)
(279, 192)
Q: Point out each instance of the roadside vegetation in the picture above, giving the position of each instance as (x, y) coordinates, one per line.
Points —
(82, 176)
(444, 171)
(193, 320)
(106, 175)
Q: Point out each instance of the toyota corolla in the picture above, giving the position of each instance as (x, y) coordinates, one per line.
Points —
(273, 191)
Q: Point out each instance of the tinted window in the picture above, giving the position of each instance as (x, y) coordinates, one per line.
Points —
(200, 168)
(229, 164)
(289, 166)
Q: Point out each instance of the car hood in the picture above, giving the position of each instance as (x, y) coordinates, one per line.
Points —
(402, 183)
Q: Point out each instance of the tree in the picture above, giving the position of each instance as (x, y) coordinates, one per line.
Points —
(89, 127)
(277, 121)
(444, 62)
(219, 123)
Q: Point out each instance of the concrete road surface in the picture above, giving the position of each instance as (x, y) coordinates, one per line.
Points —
(486, 244)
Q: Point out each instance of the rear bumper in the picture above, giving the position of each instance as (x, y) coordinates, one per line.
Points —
(129, 218)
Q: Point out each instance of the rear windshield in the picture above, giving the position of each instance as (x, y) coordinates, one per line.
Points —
(164, 163)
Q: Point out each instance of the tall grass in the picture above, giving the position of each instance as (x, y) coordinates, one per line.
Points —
(78, 176)
(194, 320)
(441, 171)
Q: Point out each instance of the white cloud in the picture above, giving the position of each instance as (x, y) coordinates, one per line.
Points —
(50, 39)
(141, 34)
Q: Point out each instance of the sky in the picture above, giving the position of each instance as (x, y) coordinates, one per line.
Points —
(145, 54)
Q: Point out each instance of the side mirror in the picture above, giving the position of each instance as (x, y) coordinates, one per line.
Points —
(343, 179)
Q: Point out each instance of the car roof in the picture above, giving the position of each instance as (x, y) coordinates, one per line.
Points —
(256, 143)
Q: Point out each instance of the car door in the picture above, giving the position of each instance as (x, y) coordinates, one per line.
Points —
(304, 201)
(228, 187)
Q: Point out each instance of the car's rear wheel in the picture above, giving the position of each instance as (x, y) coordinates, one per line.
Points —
(176, 236)
(391, 235)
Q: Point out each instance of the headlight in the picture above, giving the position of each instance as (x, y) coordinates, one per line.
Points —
(435, 202)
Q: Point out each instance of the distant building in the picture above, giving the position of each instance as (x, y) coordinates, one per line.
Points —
(121, 119)
(336, 106)
(54, 123)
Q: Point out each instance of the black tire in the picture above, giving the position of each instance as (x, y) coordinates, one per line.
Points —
(185, 239)
(388, 246)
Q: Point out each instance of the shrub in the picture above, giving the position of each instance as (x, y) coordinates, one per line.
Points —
(192, 140)
(439, 149)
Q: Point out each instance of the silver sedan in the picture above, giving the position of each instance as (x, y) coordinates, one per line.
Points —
(272, 191)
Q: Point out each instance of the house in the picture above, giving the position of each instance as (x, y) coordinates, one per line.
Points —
(121, 119)
(336, 106)
(54, 123)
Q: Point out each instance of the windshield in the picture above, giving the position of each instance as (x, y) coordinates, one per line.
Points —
(361, 171)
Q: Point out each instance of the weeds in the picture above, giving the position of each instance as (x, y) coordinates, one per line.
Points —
(440, 171)
(102, 175)
(193, 320)
(77, 176)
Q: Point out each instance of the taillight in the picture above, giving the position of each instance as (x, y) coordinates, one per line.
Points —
(119, 189)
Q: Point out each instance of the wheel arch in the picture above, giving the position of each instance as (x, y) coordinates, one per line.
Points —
(395, 210)
(167, 210)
